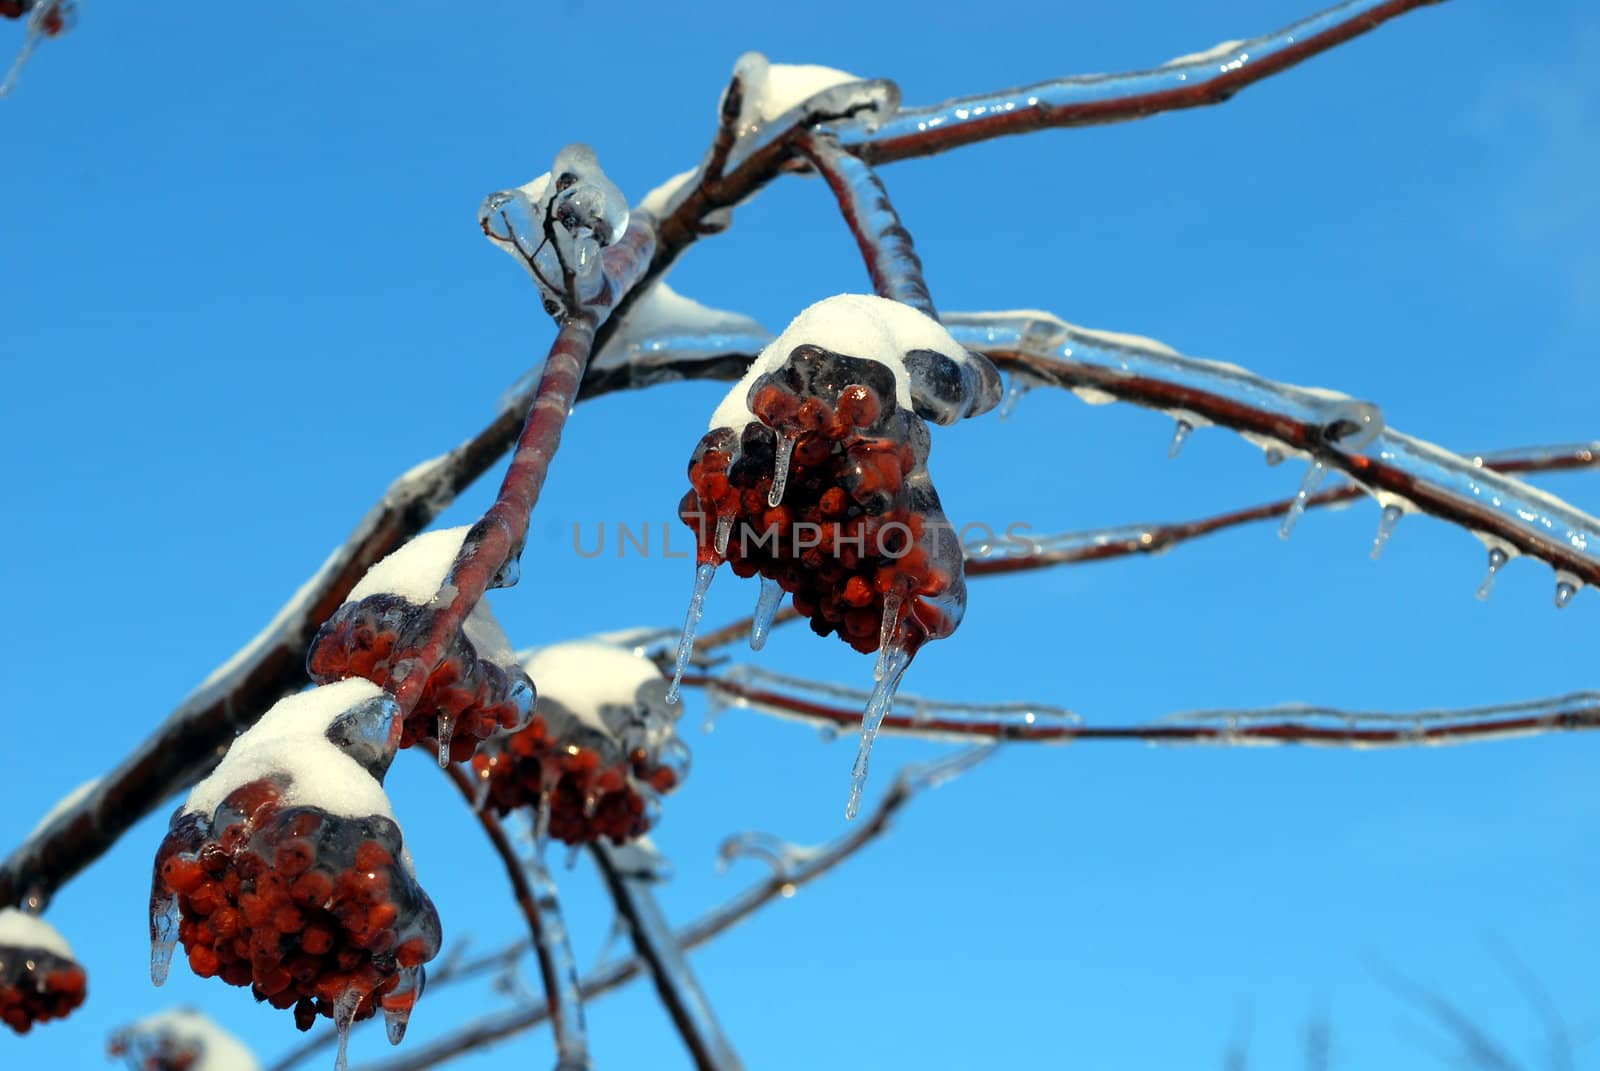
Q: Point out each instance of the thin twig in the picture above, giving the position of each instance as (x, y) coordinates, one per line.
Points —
(885, 244)
(773, 693)
(1092, 99)
(528, 903)
(655, 944)
(779, 885)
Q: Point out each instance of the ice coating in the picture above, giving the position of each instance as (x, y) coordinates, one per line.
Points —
(478, 689)
(1226, 51)
(771, 89)
(40, 978)
(665, 325)
(600, 750)
(182, 1039)
(312, 910)
(290, 744)
(814, 475)
(558, 223)
(934, 375)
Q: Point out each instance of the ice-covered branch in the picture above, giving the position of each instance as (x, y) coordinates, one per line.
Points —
(1102, 544)
(1333, 431)
(1208, 77)
(546, 929)
(780, 884)
(656, 944)
(885, 244)
(747, 687)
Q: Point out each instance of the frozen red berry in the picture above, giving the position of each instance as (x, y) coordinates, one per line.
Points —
(285, 870)
(477, 690)
(600, 751)
(40, 978)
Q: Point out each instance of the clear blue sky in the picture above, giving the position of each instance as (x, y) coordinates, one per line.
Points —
(245, 288)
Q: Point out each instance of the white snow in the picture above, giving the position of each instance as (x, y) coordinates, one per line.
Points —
(416, 572)
(586, 676)
(858, 325)
(18, 929)
(663, 320)
(217, 1049)
(771, 89)
(291, 739)
(1225, 50)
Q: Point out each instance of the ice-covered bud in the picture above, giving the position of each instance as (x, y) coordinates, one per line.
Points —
(558, 223)
(40, 978)
(285, 870)
(601, 748)
(181, 1040)
(478, 688)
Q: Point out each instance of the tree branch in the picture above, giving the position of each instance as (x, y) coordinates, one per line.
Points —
(833, 705)
(1188, 82)
(545, 929)
(655, 944)
(781, 884)
(885, 244)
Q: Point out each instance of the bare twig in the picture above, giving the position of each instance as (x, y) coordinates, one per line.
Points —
(1208, 78)
(567, 1022)
(834, 705)
(885, 244)
(655, 944)
(1477, 1048)
(1103, 544)
(779, 885)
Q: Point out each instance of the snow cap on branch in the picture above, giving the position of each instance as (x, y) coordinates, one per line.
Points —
(181, 1039)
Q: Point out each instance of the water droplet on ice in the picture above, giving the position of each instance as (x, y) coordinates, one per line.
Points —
(766, 609)
(691, 624)
(828, 731)
(1497, 561)
(1566, 587)
(878, 706)
(1308, 487)
(508, 574)
(395, 1019)
(780, 469)
(1180, 435)
(1386, 525)
(1016, 387)
(1273, 456)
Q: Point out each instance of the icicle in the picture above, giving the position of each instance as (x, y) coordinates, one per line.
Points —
(447, 729)
(549, 778)
(1016, 386)
(1180, 435)
(344, 1014)
(724, 530)
(878, 706)
(1567, 586)
(1497, 561)
(766, 609)
(1308, 487)
(572, 1045)
(1386, 525)
(36, 33)
(691, 623)
(780, 469)
(395, 1019)
(886, 633)
(163, 936)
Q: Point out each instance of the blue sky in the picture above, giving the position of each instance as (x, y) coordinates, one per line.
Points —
(245, 289)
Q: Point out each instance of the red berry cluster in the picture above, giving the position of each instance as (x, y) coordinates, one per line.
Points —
(156, 1054)
(311, 910)
(858, 533)
(473, 696)
(54, 22)
(37, 985)
(588, 791)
